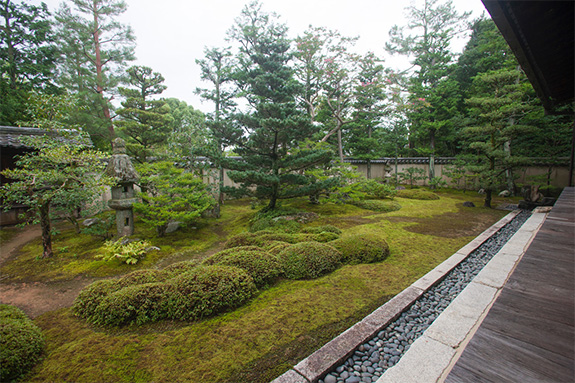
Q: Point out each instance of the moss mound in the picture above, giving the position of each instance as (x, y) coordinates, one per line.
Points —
(321, 229)
(307, 260)
(378, 205)
(360, 249)
(417, 194)
(208, 290)
(262, 266)
(242, 239)
(21, 343)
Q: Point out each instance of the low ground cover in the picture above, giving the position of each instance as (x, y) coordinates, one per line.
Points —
(280, 325)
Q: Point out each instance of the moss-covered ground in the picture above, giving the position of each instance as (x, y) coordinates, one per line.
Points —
(270, 334)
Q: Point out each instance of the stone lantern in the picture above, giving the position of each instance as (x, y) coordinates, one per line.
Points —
(121, 168)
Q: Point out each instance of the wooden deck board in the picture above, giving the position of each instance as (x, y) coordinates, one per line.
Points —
(528, 335)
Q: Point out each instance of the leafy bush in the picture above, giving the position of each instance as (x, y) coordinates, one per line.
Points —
(377, 205)
(21, 343)
(180, 267)
(306, 260)
(129, 253)
(262, 266)
(374, 189)
(208, 290)
(92, 295)
(171, 194)
(140, 277)
(321, 229)
(412, 175)
(136, 304)
(241, 239)
(360, 249)
(276, 247)
(417, 194)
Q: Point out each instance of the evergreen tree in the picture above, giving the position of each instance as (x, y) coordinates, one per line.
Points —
(498, 106)
(266, 135)
(95, 50)
(431, 26)
(145, 122)
(217, 69)
(27, 53)
(364, 133)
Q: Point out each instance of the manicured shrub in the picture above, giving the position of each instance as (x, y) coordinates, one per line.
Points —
(417, 194)
(208, 290)
(241, 239)
(321, 229)
(21, 343)
(262, 266)
(361, 249)
(321, 237)
(276, 247)
(307, 260)
(275, 225)
(92, 295)
(136, 304)
(142, 276)
(377, 205)
(180, 267)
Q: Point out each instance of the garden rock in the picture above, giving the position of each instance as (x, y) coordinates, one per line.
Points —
(173, 226)
(91, 222)
(400, 188)
(505, 193)
(468, 204)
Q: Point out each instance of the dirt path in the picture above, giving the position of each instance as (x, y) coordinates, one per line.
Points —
(35, 298)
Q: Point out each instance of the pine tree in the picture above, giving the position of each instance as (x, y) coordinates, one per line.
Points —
(144, 121)
(267, 135)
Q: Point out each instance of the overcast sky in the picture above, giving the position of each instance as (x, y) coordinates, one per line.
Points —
(172, 34)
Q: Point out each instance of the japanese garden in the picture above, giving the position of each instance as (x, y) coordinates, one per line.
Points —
(144, 240)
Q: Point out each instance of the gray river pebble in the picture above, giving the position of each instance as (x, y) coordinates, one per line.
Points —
(372, 358)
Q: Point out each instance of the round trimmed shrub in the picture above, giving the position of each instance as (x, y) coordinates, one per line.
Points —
(307, 260)
(242, 239)
(136, 304)
(417, 194)
(180, 267)
(321, 229)
(208, 290)
(362, 249)
(262, 266)
(321, 237)
(21, 343)
(276, 247)
(92, 295)
(139, 277)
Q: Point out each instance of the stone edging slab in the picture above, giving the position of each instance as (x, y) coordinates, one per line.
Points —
(322, 361)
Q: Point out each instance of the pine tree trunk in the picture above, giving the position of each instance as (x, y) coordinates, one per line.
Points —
(46, 228)
(487, 202)
(99, 76)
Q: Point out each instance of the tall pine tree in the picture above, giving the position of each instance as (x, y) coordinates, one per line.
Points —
(266, 136)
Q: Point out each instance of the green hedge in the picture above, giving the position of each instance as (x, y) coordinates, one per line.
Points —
(361, 249)
(306, 260)
(21, 343)
(262, 266)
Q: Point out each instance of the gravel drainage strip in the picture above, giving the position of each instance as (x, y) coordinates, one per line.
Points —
(365, 351)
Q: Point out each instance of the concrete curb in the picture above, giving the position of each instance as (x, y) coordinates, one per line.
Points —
(324, 360)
